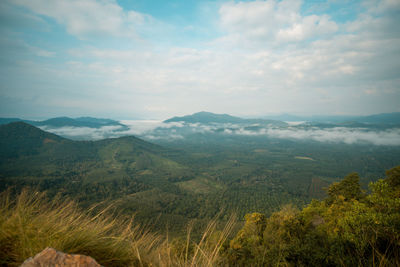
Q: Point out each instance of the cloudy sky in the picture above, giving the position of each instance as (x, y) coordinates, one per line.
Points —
(141, 59)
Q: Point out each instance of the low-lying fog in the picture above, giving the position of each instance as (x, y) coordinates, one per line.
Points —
(153, 130)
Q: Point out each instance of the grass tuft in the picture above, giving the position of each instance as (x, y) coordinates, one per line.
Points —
(205, 252)
(30, 222)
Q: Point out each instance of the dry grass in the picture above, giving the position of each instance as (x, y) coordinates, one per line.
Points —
(30, 222)
(205, 252)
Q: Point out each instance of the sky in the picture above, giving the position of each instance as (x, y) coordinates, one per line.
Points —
(141, 59)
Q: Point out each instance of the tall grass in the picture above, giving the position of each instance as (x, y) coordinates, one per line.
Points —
(205, 252)
(30, 222)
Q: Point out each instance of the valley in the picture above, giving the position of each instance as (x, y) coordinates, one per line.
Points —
(170, 182)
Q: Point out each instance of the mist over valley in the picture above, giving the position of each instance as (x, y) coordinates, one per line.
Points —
(347, 130)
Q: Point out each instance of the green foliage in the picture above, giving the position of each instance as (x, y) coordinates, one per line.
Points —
(393, 178)
(348, 228)
(348, 231)
(248, 239)
(349, 188)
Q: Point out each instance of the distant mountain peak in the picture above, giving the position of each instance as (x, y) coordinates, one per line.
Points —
(207, 113)
(382, 118)
(206, 117)
(209, 117)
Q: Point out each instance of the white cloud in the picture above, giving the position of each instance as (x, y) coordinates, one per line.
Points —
(145, 127)
(84, 133)
(382, 6)
(390, 137)
(272, 21)
(270, 58)
(157, 130)
(165, 137)
(87, 18)
(308, 27)
(340, 135)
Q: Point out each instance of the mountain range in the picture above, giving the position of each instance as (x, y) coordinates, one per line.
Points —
(203, 117)
(66, 121)
(383, 118)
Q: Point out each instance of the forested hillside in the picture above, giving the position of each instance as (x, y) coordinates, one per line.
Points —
(193, 179)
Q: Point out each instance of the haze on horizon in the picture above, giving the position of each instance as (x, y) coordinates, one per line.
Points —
(157, 59)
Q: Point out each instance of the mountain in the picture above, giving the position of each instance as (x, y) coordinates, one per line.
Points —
(208, 117)
(8, 120)
(20, 138)
(279, 120)
(384, 118)
(98, 121)
(89, 171)
(78, 122)
(66, 121)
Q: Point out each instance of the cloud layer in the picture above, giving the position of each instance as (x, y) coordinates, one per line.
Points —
(340, 135)
(156, 130)
(85, 133)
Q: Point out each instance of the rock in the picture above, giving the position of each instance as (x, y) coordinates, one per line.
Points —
(50, 257)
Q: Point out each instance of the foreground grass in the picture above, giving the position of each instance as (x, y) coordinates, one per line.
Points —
(30, 222)
(347, 228)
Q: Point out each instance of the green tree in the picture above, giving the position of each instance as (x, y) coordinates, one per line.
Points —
(349, 188)
(393, 178)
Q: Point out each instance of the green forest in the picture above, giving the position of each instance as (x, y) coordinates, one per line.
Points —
(290, 204)
(349, 227)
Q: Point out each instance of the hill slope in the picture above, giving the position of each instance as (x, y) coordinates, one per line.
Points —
(27, 151)
(19, 138)
(96, 171)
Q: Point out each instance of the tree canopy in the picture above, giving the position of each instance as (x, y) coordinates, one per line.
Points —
(347, 228)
